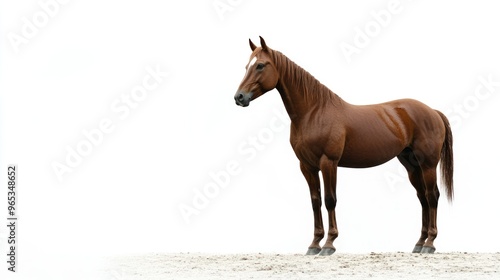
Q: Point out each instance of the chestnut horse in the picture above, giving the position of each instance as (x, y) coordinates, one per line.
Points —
(327, 132)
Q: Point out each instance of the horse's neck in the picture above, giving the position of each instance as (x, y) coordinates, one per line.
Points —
(301, 92)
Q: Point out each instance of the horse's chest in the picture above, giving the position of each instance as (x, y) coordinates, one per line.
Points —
(308, 147)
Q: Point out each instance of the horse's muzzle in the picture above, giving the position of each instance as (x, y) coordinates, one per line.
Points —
(242, 98)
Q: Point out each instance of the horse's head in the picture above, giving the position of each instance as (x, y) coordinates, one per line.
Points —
(261, 75)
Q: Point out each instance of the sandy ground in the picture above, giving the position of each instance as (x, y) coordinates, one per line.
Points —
(277, 266)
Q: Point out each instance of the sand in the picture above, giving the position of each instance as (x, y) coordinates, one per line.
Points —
(290, 266)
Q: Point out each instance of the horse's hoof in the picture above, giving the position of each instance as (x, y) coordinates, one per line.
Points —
(417, 249)
(327, 251)
(428, 250)
(313, 251)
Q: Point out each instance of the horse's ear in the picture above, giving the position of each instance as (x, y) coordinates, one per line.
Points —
(263, 43)
(252, 45)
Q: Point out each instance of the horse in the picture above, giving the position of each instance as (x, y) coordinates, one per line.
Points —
(326, 132)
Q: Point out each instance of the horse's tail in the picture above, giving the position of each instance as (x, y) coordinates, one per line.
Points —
(447, 158)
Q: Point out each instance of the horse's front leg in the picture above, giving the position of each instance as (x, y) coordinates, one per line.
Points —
(312, 179)
(329, 170)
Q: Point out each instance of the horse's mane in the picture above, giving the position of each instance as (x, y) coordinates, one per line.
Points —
(313, 90)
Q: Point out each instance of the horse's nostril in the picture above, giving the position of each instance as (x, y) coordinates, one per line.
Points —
(240, 97)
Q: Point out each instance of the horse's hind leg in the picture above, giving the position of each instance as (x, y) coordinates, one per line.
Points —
(416, 175)
(432, 196)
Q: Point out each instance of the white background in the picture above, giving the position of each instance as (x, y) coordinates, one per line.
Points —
(125, 195)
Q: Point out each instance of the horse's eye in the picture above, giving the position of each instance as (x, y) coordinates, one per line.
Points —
(260, 66)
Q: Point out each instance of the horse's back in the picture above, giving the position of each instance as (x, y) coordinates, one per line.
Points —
(379, 132)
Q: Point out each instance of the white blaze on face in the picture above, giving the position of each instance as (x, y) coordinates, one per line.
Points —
(252, 62)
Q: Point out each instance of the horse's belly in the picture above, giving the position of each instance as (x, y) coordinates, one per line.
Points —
(369, 153)
(362, 162)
